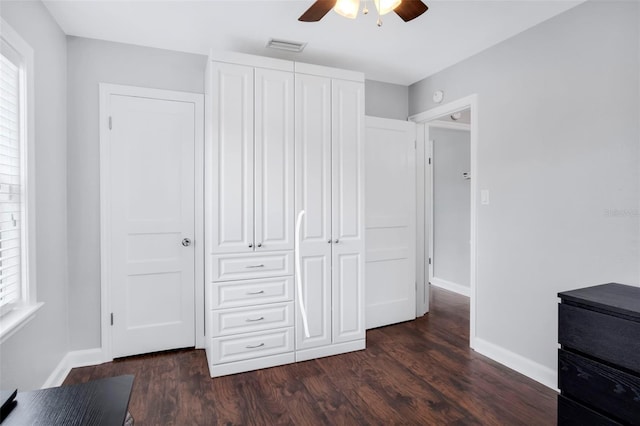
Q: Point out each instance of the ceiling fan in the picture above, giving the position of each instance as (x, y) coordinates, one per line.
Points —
(405, 9)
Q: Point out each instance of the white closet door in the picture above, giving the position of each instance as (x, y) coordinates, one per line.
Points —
(232, 174)
(313, 195)
(151, 211)
(348, 210)
(274, 141)
(391, 221)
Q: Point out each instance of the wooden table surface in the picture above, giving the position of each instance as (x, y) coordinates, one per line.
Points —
(99, 402)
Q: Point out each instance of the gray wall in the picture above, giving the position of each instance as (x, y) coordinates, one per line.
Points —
(386, 100)
(451, 205)
(91, 62)
(558, 150)
(29, 356)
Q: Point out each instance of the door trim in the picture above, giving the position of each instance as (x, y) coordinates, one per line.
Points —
(106, 90)
(424, 118)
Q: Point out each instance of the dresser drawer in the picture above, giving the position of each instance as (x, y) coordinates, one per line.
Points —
(251, 345)
(229, 267)
(610, 338)
(570, 413)
(614, 392)
(253, 318)
(234, 294)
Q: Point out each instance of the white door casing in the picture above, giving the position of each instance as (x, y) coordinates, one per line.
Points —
(390, 221)
(313, 195)
(148, 187)
(232, 176)
(423, 119)
(347, 208)
(273, 149)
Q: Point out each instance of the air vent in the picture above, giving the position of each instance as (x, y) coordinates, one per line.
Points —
(290, 46)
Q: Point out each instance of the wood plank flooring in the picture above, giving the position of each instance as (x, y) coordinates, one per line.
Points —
(419, 372)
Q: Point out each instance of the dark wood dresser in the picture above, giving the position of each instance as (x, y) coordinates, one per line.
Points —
(599, 358)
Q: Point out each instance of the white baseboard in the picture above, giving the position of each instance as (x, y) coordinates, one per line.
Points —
(73, 359)
(522, 365)
(448, 285)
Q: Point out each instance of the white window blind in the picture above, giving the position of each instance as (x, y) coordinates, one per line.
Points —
(10, 180)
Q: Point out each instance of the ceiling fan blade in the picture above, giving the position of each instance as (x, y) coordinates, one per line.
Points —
(410, 9)
(317, 10)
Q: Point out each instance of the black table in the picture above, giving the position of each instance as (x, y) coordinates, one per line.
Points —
(100, 402)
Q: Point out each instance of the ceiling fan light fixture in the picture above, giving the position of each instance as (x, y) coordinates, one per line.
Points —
(347, 8)
(386, 6)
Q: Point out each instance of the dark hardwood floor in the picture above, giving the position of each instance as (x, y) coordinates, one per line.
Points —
(419, 372)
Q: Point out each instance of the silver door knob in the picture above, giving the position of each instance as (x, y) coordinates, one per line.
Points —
(250, 245)
(186, 242)
(336, 241)
(329, 241)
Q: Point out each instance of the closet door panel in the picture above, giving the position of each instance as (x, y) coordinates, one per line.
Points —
(274, 162)
(313, 195)
(348, 210)
(232, 175)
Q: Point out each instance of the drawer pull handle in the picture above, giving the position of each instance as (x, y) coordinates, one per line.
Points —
(256, 346)
(254, 320)
(254, 266)
(253, 293)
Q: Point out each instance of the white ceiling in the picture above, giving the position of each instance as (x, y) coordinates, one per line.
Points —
(397, 52)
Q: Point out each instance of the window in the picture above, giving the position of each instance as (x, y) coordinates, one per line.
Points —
(10, 180)
(17, 225)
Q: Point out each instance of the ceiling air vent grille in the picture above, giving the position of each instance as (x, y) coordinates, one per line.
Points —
(288, 45)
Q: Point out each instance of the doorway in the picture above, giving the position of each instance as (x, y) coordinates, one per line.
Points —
(449, 231)
(151, 213)
(439, 123)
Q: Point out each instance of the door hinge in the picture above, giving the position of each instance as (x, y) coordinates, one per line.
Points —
(110, 123)
(415, 144)
(429, 160)
(111, 318)
(429, 264)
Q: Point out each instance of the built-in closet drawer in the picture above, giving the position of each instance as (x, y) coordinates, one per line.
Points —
(251, 345)
(234, 294)
(230, 267)
(252, 318)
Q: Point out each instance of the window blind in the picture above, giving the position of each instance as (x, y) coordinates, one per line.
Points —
(10, 180)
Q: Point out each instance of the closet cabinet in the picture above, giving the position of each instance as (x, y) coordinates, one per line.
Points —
(249, 185)
(282, 137)
(252, 164)
(329, 177)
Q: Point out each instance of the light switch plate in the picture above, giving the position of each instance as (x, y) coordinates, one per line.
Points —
(484, 196)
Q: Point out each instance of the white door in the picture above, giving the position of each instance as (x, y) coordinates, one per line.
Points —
(150, 209)
(390, 221)
(313, 195)
(274, 141)
(232, 163)
(347, 207)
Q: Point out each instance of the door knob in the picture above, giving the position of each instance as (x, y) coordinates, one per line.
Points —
(186, 242)
(259, 244)
(250, 245)
(337, 241)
